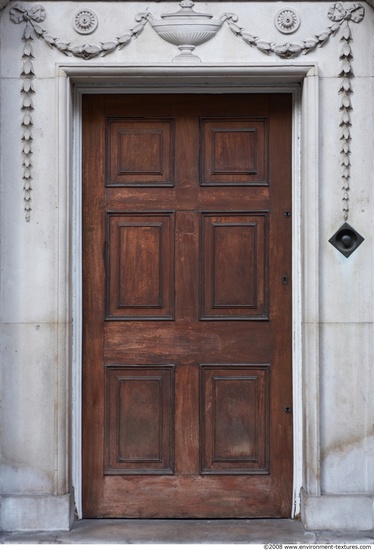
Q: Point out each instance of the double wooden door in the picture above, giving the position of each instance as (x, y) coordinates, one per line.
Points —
(187, 306)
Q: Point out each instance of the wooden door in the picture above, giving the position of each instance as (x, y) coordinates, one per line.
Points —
(187, 306)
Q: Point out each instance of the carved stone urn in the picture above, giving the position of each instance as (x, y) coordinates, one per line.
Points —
(186, 29)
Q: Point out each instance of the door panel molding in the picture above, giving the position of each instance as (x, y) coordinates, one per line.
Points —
(221, 452)
(149, 421)
(221, 297)
(140, 246)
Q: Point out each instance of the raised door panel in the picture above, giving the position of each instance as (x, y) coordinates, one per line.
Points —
(234, 420)
(234, 266)
(139, 426)
(234, 152)
(140, 153)
(140, 266)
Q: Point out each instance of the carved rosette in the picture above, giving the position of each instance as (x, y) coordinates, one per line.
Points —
(85, 21)
(287, 21)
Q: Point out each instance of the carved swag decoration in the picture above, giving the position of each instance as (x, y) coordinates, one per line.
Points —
(340, 17)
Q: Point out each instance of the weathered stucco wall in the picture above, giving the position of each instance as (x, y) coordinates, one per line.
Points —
(36, 313)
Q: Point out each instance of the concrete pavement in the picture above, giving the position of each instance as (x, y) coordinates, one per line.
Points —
(260, 531)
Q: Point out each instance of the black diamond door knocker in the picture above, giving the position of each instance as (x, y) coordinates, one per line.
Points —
(346, 239)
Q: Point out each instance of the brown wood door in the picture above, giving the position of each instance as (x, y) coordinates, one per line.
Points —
(187, 306)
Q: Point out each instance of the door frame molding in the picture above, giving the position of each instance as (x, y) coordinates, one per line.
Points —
(301, 79)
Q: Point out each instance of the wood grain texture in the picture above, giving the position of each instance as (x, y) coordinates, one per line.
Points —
(139, 419)
(234, 419)
(140, 265)
(140, 153)
(234, 264)
(187, 338)
(234, 152)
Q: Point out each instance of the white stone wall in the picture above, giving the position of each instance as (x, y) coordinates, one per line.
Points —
(36, 314)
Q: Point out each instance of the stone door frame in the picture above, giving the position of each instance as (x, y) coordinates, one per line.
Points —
(300, 79)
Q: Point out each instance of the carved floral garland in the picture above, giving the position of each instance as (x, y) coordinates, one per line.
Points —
(337, 14)
(289, 50)
(33, 17)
